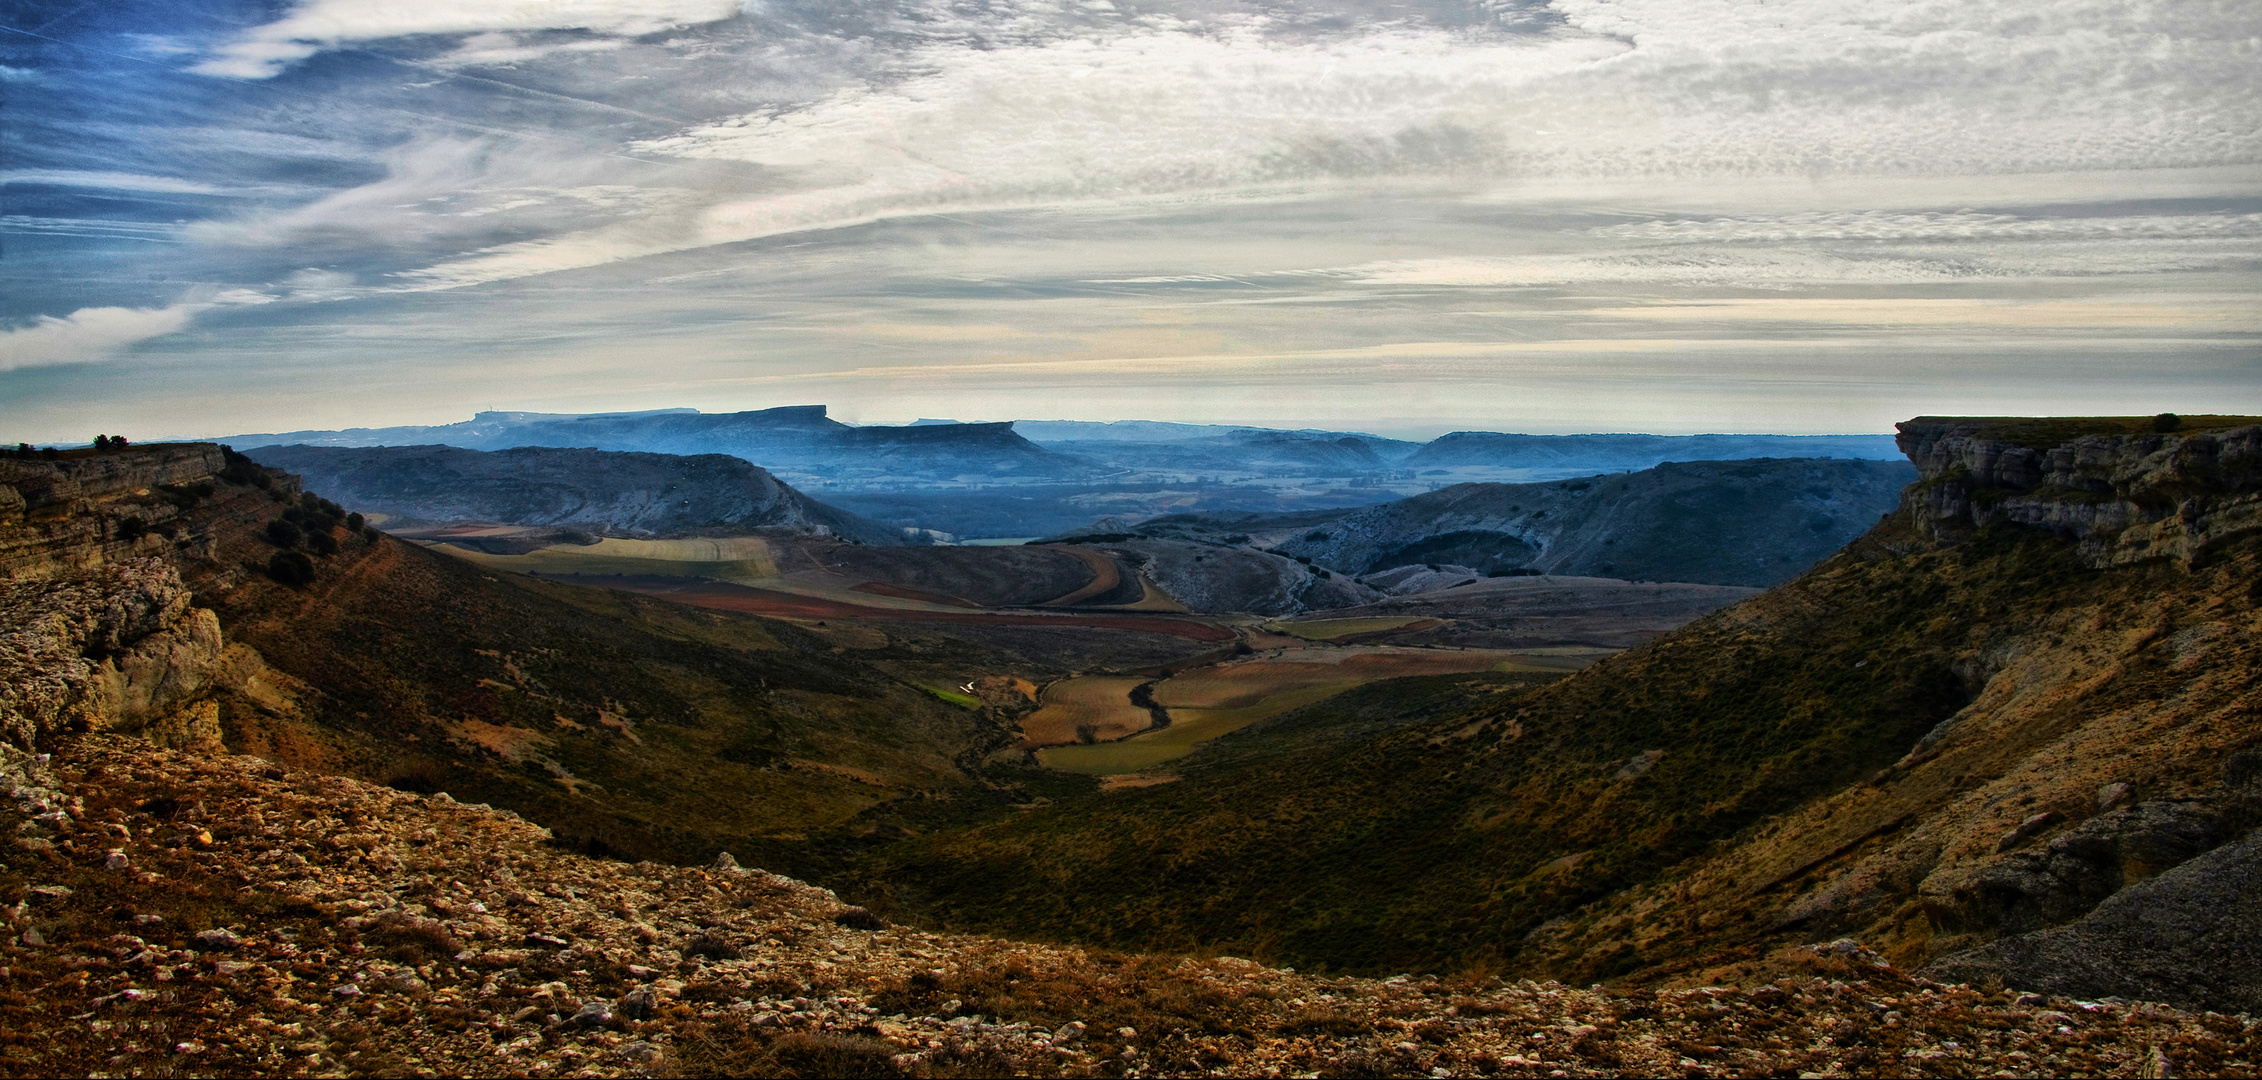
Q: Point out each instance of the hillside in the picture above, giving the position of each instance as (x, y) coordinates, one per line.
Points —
(177, 913)
(193, 596)
(606, 493)
(2018, 701)
(1752, 523)
(1620, 452)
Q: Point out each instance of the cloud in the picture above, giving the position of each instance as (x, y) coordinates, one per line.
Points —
(110, 181)
(87, 335)
(325, 24)
(449, 189)
(1124, 115)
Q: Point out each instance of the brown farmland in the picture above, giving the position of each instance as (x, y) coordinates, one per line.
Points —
(1089, 709)
(725, 596)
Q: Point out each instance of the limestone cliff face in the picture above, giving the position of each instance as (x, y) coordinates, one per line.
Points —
(98, 631)
(2125, 498)
(118, 648)
(69, 514)
(2098, 596)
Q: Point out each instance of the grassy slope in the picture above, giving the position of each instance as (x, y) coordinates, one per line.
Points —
(649, 728)
(1442, 844)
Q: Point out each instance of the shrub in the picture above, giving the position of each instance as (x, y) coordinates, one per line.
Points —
(102, 442)
(354, 522)
(2167, 422)
(321, 543)
(291, 568)
(50, 453)
(369, 533)
(283, 534)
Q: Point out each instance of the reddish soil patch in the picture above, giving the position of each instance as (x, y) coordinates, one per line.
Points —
(881, 588)
(725, 596)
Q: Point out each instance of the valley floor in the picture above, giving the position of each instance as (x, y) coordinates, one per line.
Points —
(169, 913)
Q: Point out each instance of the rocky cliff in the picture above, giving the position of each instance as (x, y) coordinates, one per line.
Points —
(101, 633)
(2123, 497)
(2085, 822)
(608, 493)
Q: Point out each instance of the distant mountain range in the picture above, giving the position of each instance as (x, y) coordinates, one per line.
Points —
(1600, 452)
(808, 448)
(799, 443)
(1756, 523)
(607, 493)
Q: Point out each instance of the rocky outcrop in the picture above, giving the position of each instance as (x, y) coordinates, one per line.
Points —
(2123, 497)
(77, 510)
(2187, 937)
(600, 491)
(98, 630)
(116, 648)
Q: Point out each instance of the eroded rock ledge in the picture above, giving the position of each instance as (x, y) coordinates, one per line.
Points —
(2125, 498)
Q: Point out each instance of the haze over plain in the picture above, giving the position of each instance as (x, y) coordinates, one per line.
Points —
(1657, 215)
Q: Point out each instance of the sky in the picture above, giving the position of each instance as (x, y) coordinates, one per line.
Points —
(1799, 216)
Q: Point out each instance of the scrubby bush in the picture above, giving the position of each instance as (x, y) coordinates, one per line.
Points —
(284, 534)
(2167, 422)
(291, 568)
(321, 543)
(354, 522)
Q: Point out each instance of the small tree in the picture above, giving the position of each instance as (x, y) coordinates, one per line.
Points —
(322, 543)
(354, 521)
(283, 534)
(2167, 422)
(102, 442)
(291, 568)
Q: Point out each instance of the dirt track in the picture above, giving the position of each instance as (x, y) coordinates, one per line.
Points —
(1105, 577)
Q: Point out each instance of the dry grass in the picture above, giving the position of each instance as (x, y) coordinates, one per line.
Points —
(1089, 709)
(1330, 629)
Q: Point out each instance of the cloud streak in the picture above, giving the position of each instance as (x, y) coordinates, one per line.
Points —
(315, 25)
(87, 335)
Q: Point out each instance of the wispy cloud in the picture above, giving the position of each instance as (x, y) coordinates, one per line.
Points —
(316, 25)
(87, 335)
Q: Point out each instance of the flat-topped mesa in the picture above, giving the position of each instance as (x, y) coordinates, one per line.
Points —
(2125, 492)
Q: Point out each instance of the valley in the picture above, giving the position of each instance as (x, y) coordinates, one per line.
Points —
(2001, 732)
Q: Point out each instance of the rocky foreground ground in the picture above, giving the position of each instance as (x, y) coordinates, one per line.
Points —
(169, 913)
